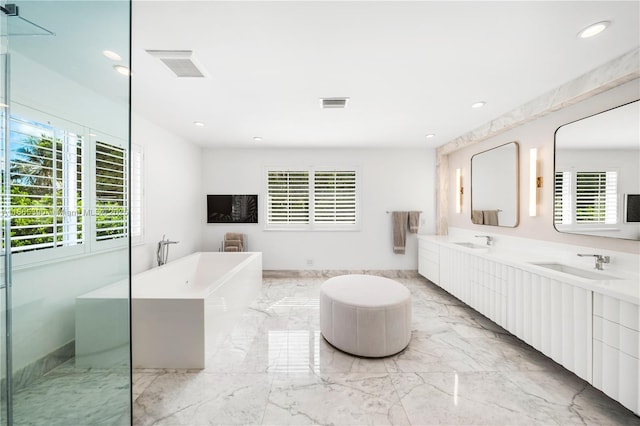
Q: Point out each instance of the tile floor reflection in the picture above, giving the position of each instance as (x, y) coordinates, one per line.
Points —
(459, 368)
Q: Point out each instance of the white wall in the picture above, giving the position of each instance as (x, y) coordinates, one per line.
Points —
(172, 193)
(390, 179)
(539, 134)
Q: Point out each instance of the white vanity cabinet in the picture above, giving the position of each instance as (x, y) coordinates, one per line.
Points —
(592, 334)
(552, 316)
(616, 343)
(429, 260)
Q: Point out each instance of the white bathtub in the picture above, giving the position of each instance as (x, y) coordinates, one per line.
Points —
(179, 311)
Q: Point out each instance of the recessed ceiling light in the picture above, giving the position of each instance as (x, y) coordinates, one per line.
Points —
(430, 135)
(112, 55)
(122, 69)
(593, 29)
(93, 135)
(257, 138)
(198, 123)
(478, 104)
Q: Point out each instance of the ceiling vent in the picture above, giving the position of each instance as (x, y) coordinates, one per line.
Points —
(180, 62)
(333, 102)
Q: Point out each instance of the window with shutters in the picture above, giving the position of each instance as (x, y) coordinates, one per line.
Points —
(586, 199)
(111, 199)
(311, 199)
(137, 185)
(46, 195)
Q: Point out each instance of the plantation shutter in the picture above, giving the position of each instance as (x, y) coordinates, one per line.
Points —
(562, 206)
(137, 233)
(596, 197)
(334, 197)
(46, 197)
(111, 191)
(288, 197)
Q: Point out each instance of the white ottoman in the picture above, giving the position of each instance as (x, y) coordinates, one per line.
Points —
(365, 315)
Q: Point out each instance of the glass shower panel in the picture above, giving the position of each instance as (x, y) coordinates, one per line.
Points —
(68, 235)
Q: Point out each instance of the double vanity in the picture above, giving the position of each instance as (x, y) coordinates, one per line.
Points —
(585, 319)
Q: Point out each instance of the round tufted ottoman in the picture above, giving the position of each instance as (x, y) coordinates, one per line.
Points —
(365, 315)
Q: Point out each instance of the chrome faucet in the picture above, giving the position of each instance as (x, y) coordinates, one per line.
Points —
(162, 255)
(600, 259)
(488, 237)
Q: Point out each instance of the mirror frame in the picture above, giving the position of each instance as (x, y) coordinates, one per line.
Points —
(517, 184)
(555, 170)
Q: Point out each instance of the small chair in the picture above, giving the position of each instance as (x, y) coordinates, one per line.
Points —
(234, 241)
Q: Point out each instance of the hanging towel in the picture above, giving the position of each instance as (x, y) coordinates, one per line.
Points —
(476, 217)
(399, 223)
(414, 222)
(490, 217)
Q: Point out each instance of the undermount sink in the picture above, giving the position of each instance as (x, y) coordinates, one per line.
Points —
(582, 273)
(471, 245)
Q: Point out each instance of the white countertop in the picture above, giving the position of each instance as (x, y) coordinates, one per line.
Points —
(625, 287)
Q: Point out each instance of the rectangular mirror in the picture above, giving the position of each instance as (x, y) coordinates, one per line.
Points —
(494, 186)
(597, 183)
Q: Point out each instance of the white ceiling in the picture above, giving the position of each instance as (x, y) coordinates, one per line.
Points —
(409, 68)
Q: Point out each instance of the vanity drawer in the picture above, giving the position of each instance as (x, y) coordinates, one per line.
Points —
(617, 311)
(616, 336)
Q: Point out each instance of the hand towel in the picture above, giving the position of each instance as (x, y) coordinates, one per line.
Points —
(490, 217)
(476, 217)
(414, 222)
(233, 236)
(399, 223)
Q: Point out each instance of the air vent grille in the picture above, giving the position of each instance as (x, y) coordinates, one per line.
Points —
(333, 102)
(180, 62)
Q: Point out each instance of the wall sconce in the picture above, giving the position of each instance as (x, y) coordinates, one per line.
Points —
(459, 190)
(535, 182)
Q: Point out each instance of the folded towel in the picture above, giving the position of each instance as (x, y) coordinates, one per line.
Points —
(477, 217)
(399, 223)
(235, 244)
(414, 222)
(490, 217)
(234, 236)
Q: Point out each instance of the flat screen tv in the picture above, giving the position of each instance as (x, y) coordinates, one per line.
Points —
(232, 209)
(633, 208)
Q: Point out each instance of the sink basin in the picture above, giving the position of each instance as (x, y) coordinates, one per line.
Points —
(471, 245)
(582, 273)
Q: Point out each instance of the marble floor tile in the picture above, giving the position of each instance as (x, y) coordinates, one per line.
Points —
(349, 399)
(202, 399)
(80, 398)
(501, 398)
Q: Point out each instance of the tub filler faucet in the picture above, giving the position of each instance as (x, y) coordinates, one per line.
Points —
(163, 250)
(600, 259)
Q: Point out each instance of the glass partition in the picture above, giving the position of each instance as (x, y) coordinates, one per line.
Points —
(66, 234)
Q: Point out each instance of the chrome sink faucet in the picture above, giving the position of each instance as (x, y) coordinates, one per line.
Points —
(488, 237)
(600, 259)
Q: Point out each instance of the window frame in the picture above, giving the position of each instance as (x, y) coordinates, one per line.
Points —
(90, 245)
(311, 224)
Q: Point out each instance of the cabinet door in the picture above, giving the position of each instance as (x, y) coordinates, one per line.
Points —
(429, 260)
(616, 340)
(552, 316)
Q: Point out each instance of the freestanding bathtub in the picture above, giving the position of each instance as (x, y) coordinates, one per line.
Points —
(179, 311)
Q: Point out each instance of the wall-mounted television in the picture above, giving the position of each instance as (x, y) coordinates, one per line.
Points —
(232, 209)
(632, 208)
